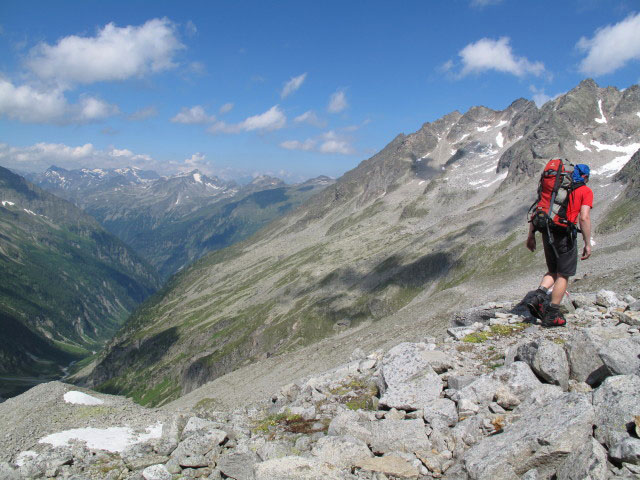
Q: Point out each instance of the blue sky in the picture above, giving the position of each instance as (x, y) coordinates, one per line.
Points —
(291, 88)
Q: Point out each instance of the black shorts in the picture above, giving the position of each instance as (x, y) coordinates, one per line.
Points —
(565, 243)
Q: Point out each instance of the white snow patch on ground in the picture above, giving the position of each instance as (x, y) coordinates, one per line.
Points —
(466, 135)
(22, 457)
(499, 178)
(197, 177)
(453, 152)
(30, 212)
(484, 129)
(501, 124)
(112, 439)
(617, 163)
(500, 140)
(593, 242)
(211, 185)
(421, 182)
(602, 118)
(638, 113)
(79, 398)
(7, 202)
(581, 148)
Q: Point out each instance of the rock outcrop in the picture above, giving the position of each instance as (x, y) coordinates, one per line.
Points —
(508, 400)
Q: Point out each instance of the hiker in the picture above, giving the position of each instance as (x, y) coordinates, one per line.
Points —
(559, 236)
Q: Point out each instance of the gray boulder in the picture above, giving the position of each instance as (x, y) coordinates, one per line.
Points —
(197, 446)
(548, 361)
(408, 380)
(622, 356)
(609, 299)
(541, 439)
(390, 435)
(350, 423)
(441, 411)
(343, 452)
(588, 462)
(296, 468)
(481, 391)
(583, 349)
(156, 472)
(616, 404)
(518, 378)
(238, 465)
(626, 450)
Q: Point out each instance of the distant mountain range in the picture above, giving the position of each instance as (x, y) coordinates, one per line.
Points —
(67, 284)
(171, 221)
(434, 217)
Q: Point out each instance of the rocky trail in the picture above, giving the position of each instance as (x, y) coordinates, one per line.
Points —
(497, 397)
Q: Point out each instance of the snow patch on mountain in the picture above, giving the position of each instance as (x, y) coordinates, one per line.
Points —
(112, 439)
(602, 118)
(30, 212)
(197, 177)
(7, 202)
(484, 129)
(79, 398)
(500, 140)
(617, 163)
(581, 147)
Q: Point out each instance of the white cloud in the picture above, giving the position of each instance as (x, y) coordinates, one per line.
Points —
(292, 85)
(337, 102)
(29, 105)
(328, 143)
(334, 143)
(144, 113)
(41, 156)
(311, 118)
(540, 98)
(193, 116)
(487, 54)
(272, 119)
(611, 47)
(307, 145)
(226, 108)
(115, 53)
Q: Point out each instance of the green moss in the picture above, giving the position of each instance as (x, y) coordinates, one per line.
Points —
(413, 210)
(495, 331)
(477, 337)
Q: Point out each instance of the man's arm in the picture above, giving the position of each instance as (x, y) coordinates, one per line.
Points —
(585, 225)
(531, 239)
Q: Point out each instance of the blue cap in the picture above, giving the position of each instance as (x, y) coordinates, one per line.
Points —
(579, 171)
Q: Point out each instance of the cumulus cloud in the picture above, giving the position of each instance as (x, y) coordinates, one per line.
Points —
(611, 47)
(487, 54)
(292, 85)
(337, 102)
(272, 119)
(193, 116)
(144, 113)
(41, 156)
(30, 105)
(329, 142)
(226, 108)
(114, 53)
(311, 118)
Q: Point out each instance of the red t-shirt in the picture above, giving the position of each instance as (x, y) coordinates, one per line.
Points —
(580, 196)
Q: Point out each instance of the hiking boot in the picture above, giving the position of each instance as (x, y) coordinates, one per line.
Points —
(553, 317)
(536, 305)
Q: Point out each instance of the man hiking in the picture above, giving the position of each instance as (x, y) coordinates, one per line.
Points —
(559, 238)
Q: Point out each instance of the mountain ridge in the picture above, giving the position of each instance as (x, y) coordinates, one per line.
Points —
(430, 213)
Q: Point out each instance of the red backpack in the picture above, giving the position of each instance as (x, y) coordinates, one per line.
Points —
(556, 183)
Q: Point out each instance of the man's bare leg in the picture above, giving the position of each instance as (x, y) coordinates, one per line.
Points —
(548, 280)
(559, 289)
